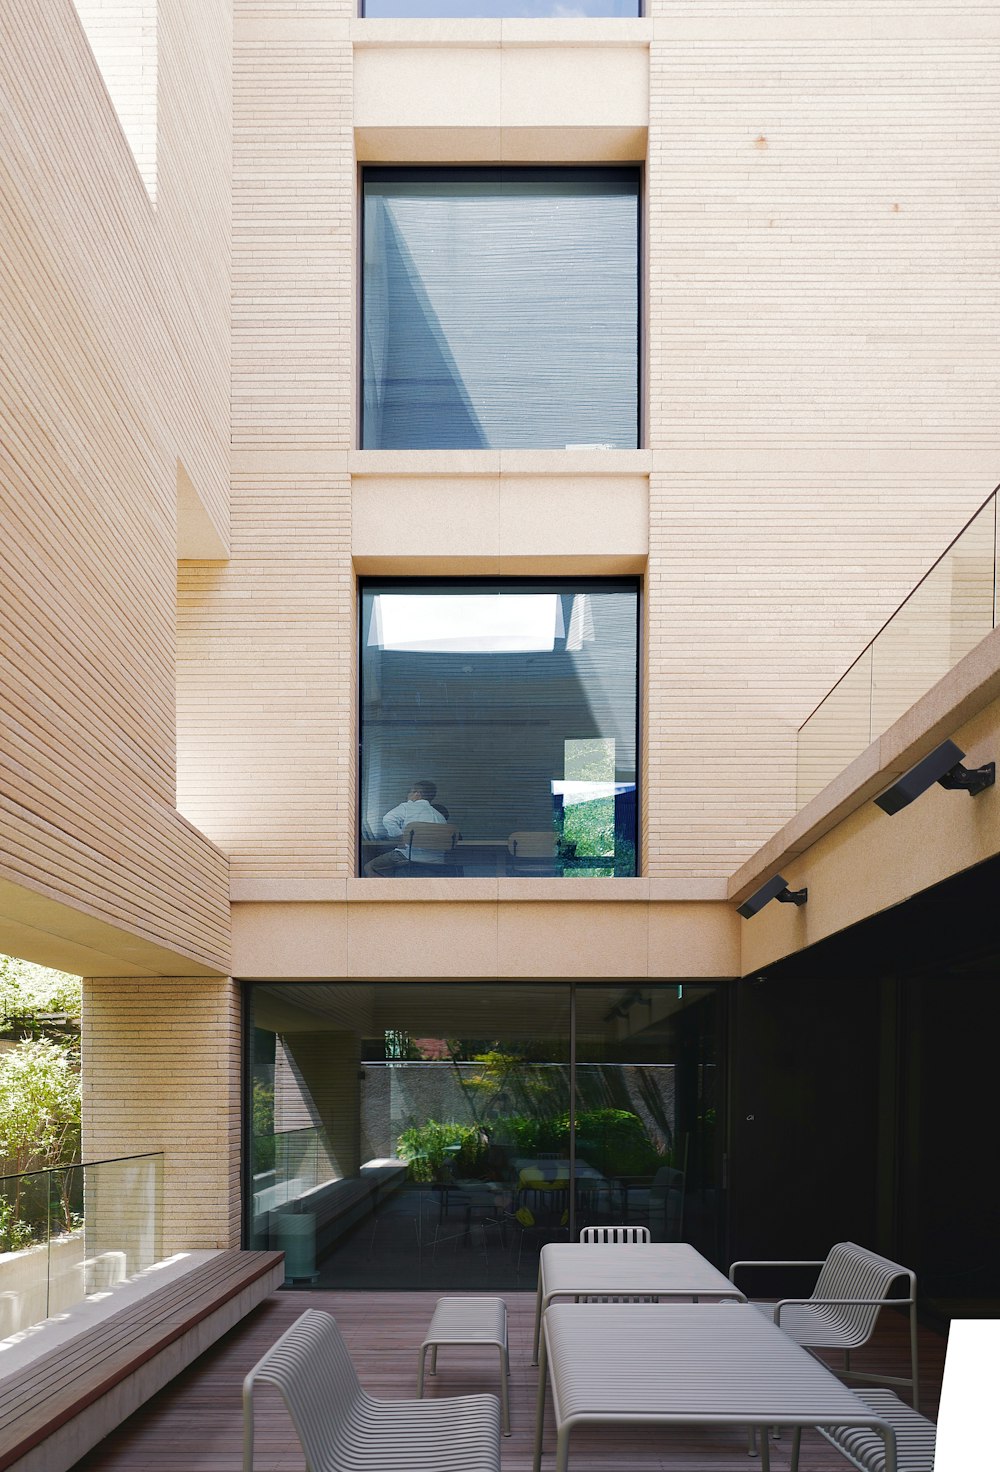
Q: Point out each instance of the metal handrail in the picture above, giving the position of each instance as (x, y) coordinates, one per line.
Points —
(48, 1170)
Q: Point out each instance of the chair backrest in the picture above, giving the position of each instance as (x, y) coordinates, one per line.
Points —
(851, 1271)
(438, 838)
(615, 1234)
(311, 1367)
(528, 845)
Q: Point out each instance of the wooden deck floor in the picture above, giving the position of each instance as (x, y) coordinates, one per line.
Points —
(195, 1425)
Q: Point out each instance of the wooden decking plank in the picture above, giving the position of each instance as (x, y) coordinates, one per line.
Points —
(195, 1423)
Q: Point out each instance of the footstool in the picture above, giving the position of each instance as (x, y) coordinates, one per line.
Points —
(469, 1321)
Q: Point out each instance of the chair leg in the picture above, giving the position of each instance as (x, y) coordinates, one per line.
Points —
(504, 1389)
(914, 1371)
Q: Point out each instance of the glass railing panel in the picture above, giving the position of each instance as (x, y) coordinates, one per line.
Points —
(949, 612)
(74, 1233)
(836, 731)
(944, 618)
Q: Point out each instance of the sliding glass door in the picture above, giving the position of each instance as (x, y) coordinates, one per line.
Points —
(437, 1135)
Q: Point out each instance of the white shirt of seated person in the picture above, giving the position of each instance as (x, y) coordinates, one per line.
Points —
(415, 809)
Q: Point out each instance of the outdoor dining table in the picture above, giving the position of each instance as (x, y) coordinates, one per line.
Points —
(626, 1270)
(720, 1364)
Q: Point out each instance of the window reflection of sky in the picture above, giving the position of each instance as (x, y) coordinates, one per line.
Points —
(486, 9)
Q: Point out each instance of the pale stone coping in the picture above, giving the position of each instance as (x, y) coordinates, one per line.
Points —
(878, 459)
(469, 32)
(30, 1344)
(472, 891)
(441, 463)
(961, 694)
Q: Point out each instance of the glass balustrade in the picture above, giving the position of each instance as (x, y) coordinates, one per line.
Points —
(949, 611)
(74, 1233)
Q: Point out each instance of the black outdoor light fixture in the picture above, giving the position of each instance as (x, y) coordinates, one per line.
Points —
(774, 889)
(943, 766)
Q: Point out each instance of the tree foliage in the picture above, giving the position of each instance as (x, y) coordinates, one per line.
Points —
(39, 1105)
(30, 996)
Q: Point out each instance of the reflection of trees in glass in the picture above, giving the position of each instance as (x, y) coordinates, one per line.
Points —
(612, 1141)
(509, 1082)
(262, 1109)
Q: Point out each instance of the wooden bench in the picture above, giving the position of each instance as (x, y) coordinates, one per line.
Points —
(342, 1428)
(62, 1402)
(916, 1437)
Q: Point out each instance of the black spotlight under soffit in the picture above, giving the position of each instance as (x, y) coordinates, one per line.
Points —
(774, 889)
(944, 766)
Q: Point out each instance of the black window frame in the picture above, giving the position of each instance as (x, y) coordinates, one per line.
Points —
(633, 583)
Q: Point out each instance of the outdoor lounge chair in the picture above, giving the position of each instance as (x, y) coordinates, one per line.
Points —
(916, 1437)
(842, 1310)
(341, 1428)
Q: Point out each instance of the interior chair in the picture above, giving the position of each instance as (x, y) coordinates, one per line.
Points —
(428, 847)
(661, 1203)
(533, 853)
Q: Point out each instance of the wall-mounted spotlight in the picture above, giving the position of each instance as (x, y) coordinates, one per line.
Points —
(943, 766)
(774, 889)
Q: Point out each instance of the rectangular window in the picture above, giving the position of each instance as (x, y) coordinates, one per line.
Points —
(514, 9)
(501, 308)
(498, 728)
(437, 1135)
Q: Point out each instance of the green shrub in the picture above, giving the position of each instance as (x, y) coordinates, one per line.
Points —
(612, 1141)
(429, 1150)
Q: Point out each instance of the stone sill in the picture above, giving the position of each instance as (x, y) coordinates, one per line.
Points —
(475, 891)
(491, 32)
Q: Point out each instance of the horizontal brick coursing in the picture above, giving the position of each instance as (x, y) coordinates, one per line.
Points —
(161, 1072)
(114, 335)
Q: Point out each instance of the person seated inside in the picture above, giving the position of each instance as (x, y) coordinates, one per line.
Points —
(419, 807)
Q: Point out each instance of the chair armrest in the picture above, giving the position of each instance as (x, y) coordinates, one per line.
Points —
(837, 1303)
(750, 1262)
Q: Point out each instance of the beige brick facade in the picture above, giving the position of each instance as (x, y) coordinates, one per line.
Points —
(161, 1062)
(186, 508)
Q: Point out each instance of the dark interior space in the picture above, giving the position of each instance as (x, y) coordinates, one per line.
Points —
(867, 1065)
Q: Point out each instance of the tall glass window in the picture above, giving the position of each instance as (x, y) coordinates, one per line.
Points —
(498, 728)
(528, 9)
(501, 308)
(437, 1135)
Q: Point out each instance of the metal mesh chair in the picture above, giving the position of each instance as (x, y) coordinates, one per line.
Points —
(343, 1429)
(615, 1234)
(916, 1437)
(609, 1236)
(842, 1310)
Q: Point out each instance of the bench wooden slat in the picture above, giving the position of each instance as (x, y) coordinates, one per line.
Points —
(45, 1395)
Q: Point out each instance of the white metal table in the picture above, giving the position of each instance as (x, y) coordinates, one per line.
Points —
(646, 1269)
(686, 1365)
